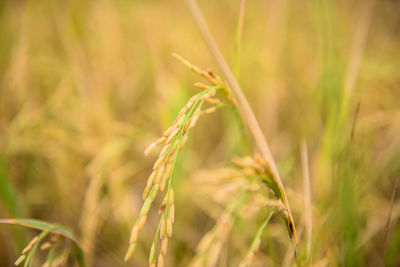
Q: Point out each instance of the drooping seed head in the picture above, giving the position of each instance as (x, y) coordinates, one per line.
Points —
(142, 221)
(169, 227)
(134, 234)
(159, 174)
(163, 205)
(30, 245)
(168, 169)
(195, 118)
(130, 251)
(163, 228)
(201, 86)
(213, 101)
(168, 131)
(210, 110)
(158, 162)
(160, 261)
(172, 212)
(171, 196)
(161, 140)
(149, 184)
(45, 246)
(150, 148)
(152, 256)
(164, 181)
(164, 246)
(19, 260)
(173, 134)
(164, 150)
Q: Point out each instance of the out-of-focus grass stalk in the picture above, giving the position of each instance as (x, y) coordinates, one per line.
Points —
(307, 200)
(239, 33)
(244, 108)
(255, 244)
(389, 219)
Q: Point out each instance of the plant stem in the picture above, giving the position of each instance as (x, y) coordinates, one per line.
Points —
(243, 106)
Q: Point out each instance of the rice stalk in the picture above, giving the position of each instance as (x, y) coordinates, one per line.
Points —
(245, 110)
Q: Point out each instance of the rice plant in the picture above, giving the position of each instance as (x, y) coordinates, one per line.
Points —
(272, 142)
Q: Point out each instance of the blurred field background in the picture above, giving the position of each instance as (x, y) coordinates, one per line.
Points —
(85, 86)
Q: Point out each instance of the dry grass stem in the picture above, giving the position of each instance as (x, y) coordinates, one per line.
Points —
(245, 110)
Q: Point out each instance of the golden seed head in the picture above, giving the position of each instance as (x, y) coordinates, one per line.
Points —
(213, 101)
(159, 174)
(259, 159)
(194, 119)
(162, 228)
(161, 140)
(169, 169)
(172, 213)
(163, 205)
(185, 128)
(158, 162)
(210, 110)
(152, 256)
(201, 86)
(19, 260)
(211, 73)
(169, 227)
(30, 245)
(149, 184)
(173, 134)
(163, 182)
(154, 191)
(190, 103)
(171, 156)
(150, 148)
(130, 251)
(168, 131)
(205, 96)
(45, 246)
(160, 261)
(164, 245)
(142, 221)
(171, 196)
(55, 238)
(178, 121)
(134, 234)
(164, 151)
(249, 171)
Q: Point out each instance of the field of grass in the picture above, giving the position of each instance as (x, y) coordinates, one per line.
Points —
(87, 86)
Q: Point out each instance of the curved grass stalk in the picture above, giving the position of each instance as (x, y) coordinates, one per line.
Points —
(245, 110)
